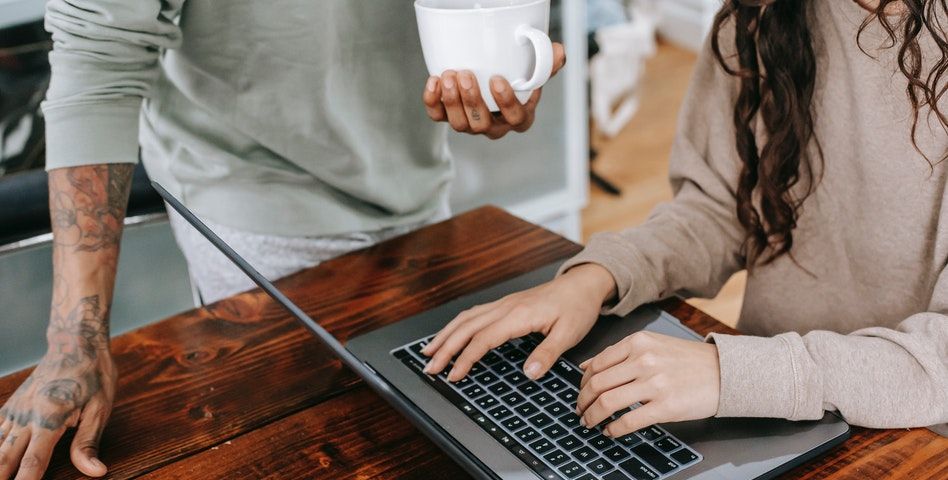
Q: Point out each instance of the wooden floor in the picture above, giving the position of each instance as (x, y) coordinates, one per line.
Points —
(636, 160)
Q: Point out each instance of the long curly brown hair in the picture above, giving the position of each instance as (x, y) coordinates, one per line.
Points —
(776, 70)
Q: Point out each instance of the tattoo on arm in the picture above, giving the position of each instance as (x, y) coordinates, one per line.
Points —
(87, 205)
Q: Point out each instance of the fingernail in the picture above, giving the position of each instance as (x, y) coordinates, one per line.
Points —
(583, 365)
(432, 83)
(498, 84)
(97, 463)
(607, 432)
(532, 370)
(466, 81)
(427, 367)
(448, 83)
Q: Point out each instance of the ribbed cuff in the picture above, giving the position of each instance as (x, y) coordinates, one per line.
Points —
(633, 275)
(89, 134)
(769, 377)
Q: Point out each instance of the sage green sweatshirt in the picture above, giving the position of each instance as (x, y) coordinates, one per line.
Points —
(867, 333)
(285, 117)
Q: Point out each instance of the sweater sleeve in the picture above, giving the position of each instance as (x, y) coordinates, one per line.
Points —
(875, 377)
(692, 245)
(104, 62)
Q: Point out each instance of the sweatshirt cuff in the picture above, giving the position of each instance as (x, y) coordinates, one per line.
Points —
(632, 273)
(770, 377)
(90, 134)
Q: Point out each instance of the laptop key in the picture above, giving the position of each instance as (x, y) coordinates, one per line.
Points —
(486, 378)
(571, 420)
(569, 396)
(527, 435)
(617, 454)
(486, 402)
(513, 399)
(599, 466)
(473, 391)
(585, 454)
(651, 433)
(684, 456)
(629, 440)
(601, 442)
(568, 372)
(542, 398)
(514, 424)
(500, 413)
(572, 470)
(554, 384)
(583, 432)
(540, 420)
(526, 409)
(570, 442)
(526, 456)
(616, 475)
(638, 470)
(515, 356)
(556, 409)
(475, 369)
(516, 378)
(505, 348)
(554, 431)
(542, 446)
(556, 457)
(667, 444)
(654, 458)
(502, 368)
(528, 388)
(499, 388)
(490, 358)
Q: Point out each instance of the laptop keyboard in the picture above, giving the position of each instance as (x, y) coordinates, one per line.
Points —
(537, 421)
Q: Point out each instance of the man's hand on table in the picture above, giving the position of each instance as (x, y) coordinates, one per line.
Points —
(67, 389)
(455, 98)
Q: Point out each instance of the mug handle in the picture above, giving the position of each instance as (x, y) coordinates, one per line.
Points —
(543, 47)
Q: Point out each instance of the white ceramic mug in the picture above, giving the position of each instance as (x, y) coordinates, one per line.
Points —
(488, 37)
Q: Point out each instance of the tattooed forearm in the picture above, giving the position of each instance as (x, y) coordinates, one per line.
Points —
(81, 333)
(87, 205)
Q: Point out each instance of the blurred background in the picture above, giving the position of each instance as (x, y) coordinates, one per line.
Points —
(596, 159)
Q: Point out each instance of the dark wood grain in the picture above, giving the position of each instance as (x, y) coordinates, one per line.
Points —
(205, 376)
(238, 390)
(356, 435)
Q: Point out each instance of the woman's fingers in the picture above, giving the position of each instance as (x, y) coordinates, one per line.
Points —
(516, 324)
(610, 378)
(460, 337)
(614, 400)
(451, 98)
(479, 117)
(84, 451)
(432, 99)
(560, 339)
(38, 452)
(644, 416)
(612, 355)
(435, 344)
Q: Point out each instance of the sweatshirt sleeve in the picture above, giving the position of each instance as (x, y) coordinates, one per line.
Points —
(874, 377)
(104, 62)
(692, 245)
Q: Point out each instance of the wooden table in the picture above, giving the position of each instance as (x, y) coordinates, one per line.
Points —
(239, 390)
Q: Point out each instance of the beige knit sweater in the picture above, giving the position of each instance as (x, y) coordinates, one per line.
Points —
(867, 335)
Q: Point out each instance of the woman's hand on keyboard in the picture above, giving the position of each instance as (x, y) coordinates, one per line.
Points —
(674, 379)
(564, 310)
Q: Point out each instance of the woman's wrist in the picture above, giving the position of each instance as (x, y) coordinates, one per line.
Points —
(596, 279)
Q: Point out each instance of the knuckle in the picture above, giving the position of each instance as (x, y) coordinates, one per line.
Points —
(31, 462)
(648, 360)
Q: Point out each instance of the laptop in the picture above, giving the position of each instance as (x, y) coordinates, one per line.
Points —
(498, 424)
